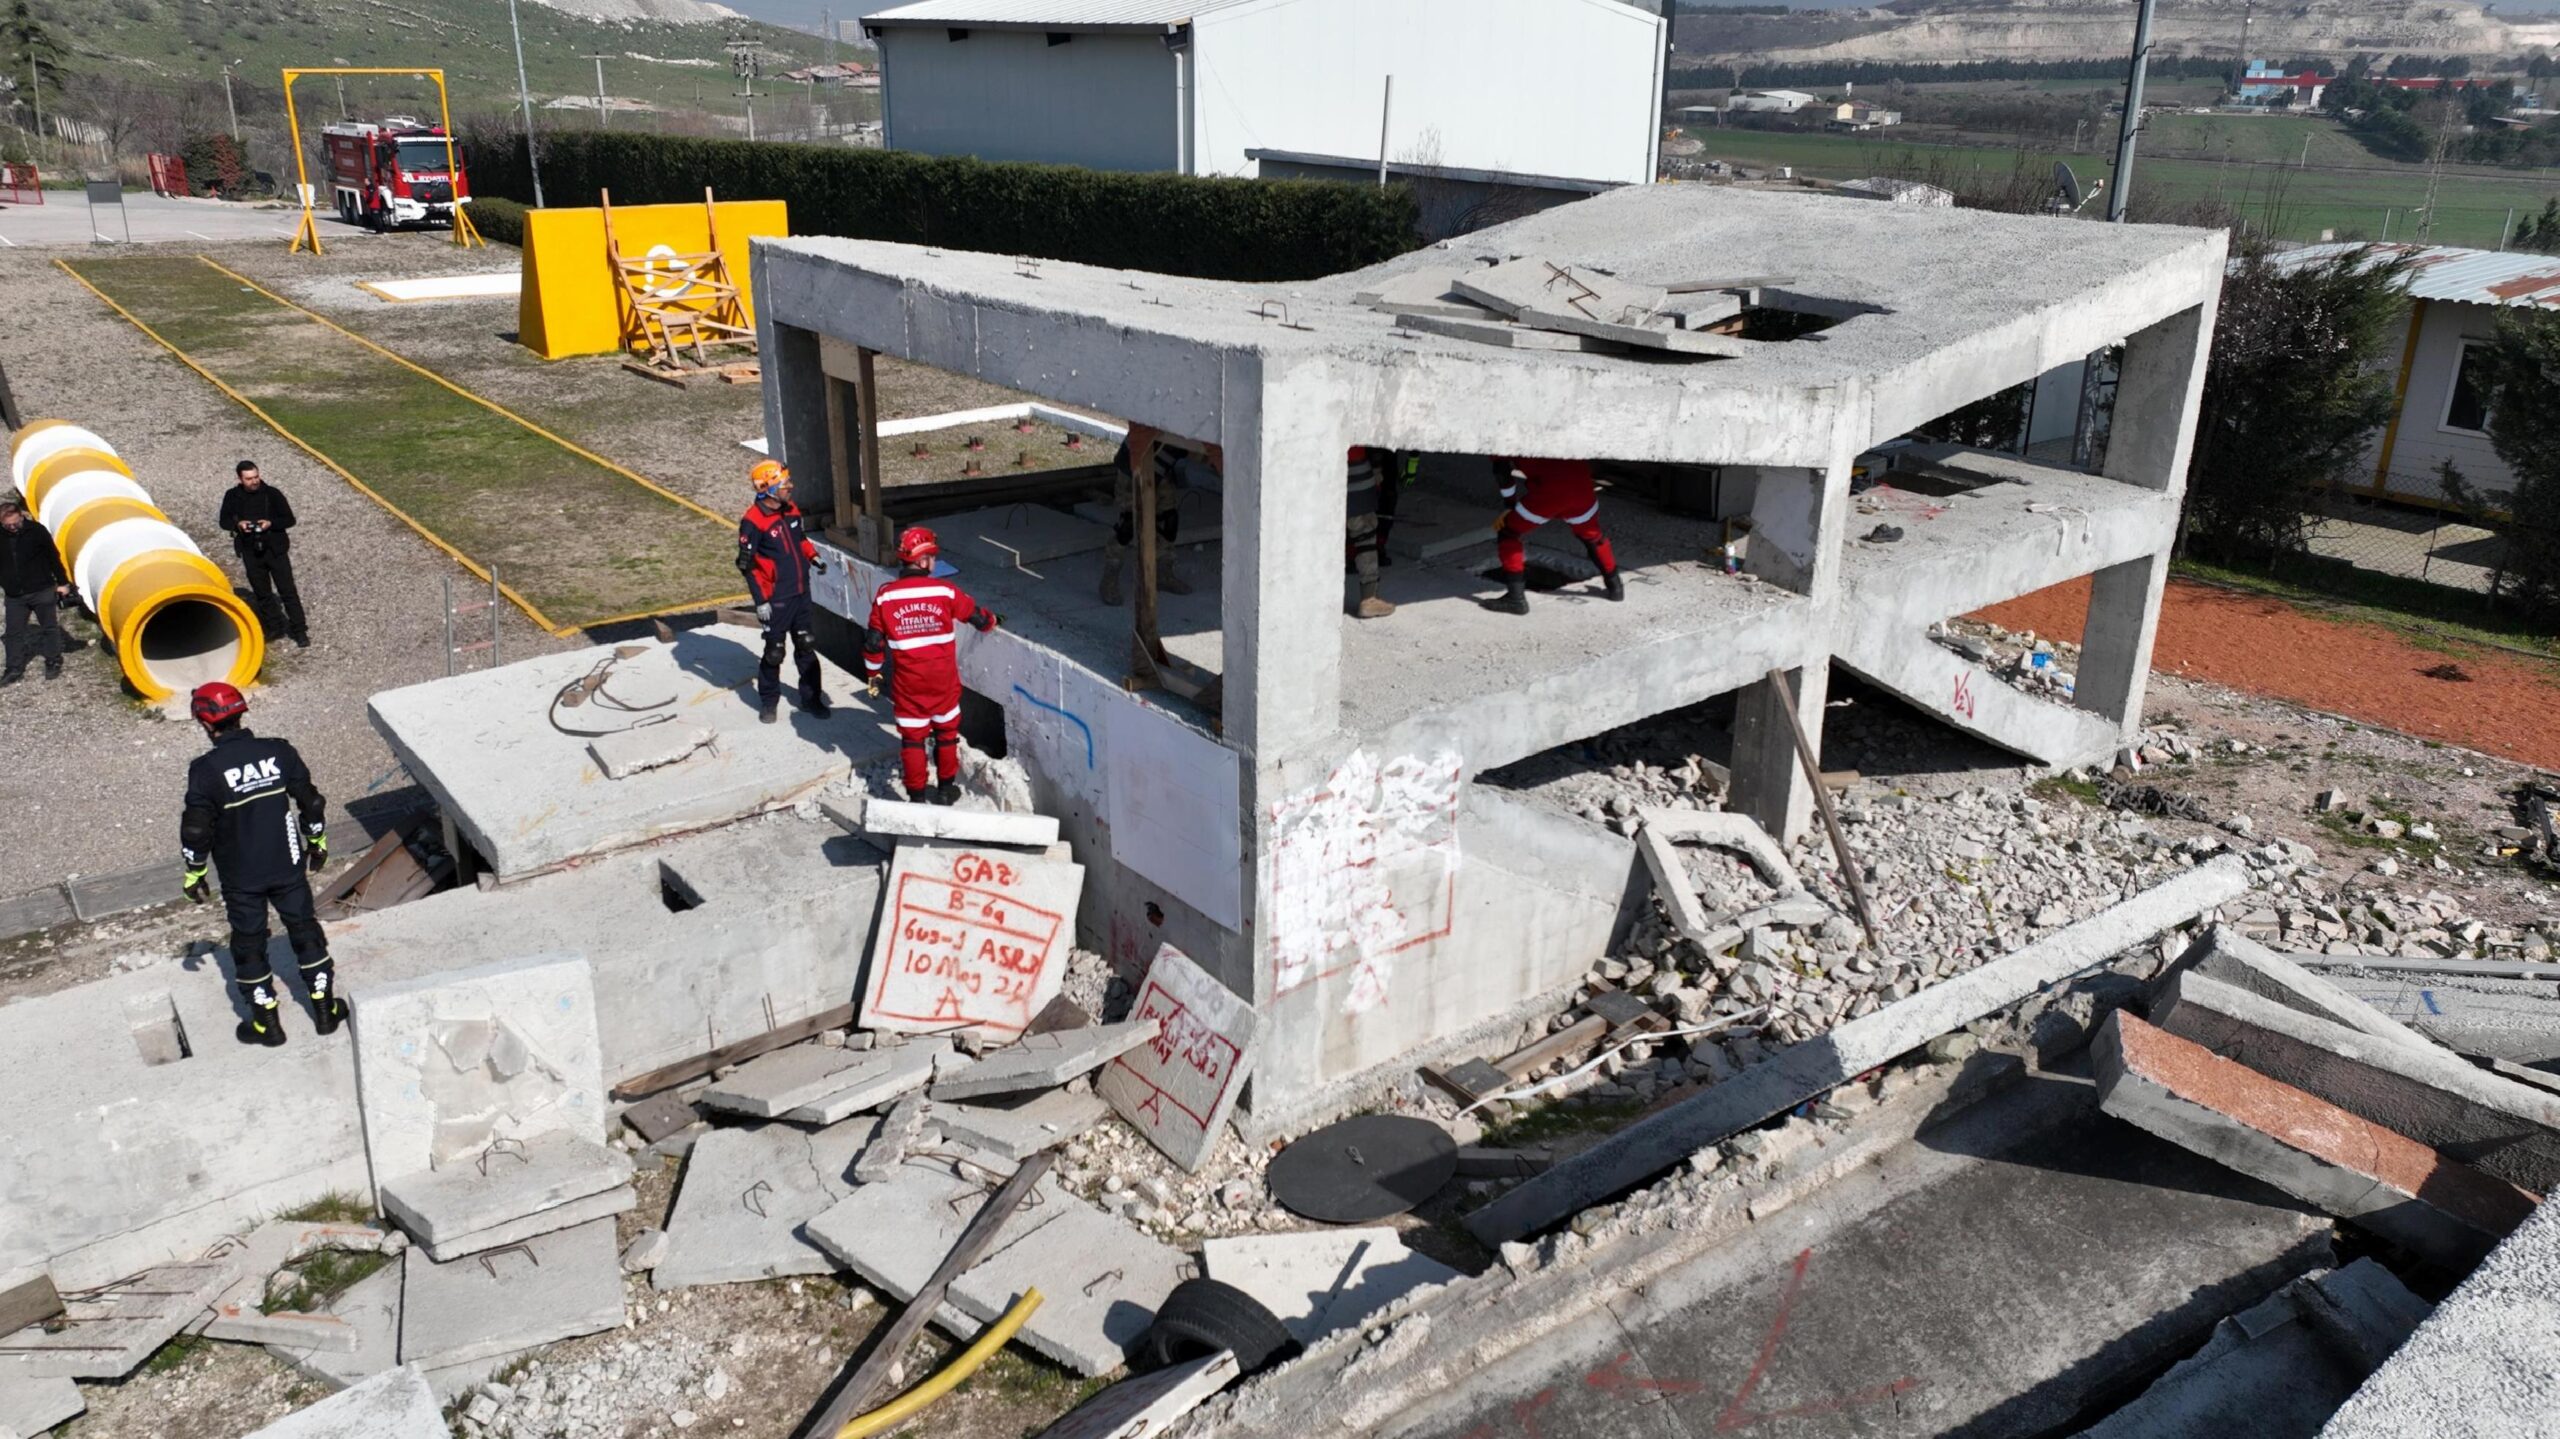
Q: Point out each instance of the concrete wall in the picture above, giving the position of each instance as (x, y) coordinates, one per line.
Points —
(1581, 102)
(1107, 102)
(1448, 206)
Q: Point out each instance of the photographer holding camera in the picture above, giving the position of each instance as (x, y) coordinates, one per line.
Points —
(257, 518)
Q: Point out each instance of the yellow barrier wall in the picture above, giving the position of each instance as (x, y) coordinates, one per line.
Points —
(569, 305)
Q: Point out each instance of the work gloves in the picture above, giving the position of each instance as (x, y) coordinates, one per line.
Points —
(764, 614)
(874, 686)
(192, 884)
(315, 846)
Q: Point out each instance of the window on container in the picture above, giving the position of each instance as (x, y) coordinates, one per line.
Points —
(2466, 408)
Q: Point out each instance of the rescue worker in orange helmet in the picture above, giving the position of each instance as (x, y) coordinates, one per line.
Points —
(777, 558)
(915, 632)
(240, 820)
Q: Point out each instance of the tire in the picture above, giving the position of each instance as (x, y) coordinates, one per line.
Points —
(1202, 1316)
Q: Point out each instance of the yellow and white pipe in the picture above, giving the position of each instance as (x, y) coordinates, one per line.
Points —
(169, 613)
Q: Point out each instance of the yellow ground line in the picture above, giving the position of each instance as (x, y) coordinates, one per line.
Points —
(244, 402)
(493, 406)
(715, 602)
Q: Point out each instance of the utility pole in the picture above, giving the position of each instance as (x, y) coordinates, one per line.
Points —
(524, 97)
(2122, 190)
(742, 60)
(342, 96)
(602, 122)
(35, 89)
(227, 101)
(827, 23)
(1386, 111)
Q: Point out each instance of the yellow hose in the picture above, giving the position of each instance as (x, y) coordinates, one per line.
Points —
(899, 1410)
(169, 613)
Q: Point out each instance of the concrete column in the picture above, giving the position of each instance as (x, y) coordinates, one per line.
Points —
(2157, 393)
(1768, 781)
(1281, 558)
(795, 409)
(1795, 517)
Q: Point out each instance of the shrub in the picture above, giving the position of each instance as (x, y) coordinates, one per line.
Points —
(1172, 224)
(498, 220)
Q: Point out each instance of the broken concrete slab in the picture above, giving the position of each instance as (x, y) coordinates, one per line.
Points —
(1045, 1061)
(1179, 1088)
(32, 1404)
(104, 1334)
(1016, 1131)
(370, 1307)
(556, 1286)
(506, 1183)
(437, 1084)
(906, 1127)
(621, 1199)
(1798, 1073)
(1424, 292)
(2507, 1019)
(1323, 1281)
(2225, 954)
(747, 1197)
(898, 819)
(240, 1322)
(2480, 1366)
(1533, 283)
(2428, 1094)
(893, 1072)
(1144, 1405)
(1491, 330)
(895, 1233)
(972, 940)
(2439, 1209)
(1102, 1278)
(395, 1404)
(660, 1115)
(525, 795)
(2281, 1368)
(645, 1251)
(762, 1088)
(1665, 829)
(631, 751)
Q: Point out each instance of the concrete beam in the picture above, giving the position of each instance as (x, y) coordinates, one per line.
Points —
(2494, 1125)
(2226, 954)
(1803, 1070)
(2443, 1211)
(1968, 697)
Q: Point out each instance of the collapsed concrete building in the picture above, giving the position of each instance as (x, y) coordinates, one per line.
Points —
(1320, 840)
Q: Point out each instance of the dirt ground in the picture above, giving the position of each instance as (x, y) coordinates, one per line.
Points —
(2487, 700)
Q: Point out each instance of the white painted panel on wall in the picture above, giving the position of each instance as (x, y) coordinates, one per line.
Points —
(1173, 810)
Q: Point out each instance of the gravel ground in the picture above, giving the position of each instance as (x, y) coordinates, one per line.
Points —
(97, 789)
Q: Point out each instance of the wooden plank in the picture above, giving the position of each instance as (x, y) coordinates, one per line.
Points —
(857, 1392)
(668, 1077)
(1582, 1034)
(866, 425)
(30, 1302)
(663, 377)
(1468, 1082)
(1822, 802)
(345, 881)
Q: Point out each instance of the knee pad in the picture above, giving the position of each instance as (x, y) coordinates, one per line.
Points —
(249, 958)
(773, 650)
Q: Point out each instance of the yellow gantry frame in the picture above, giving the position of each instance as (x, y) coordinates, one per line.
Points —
(308, 232)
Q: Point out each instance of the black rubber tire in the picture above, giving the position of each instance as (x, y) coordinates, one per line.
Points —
(1202, 1316)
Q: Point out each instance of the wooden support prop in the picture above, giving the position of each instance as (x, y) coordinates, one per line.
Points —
(1572, 1039)
(1822, 802)
(28, 1303)
(668, 1077)
(866, 420)
(858, 1391)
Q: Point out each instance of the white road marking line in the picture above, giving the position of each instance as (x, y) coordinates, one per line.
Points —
(201, 235)
(5, 240)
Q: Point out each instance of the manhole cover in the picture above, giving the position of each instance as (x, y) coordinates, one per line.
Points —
(1364, 1169)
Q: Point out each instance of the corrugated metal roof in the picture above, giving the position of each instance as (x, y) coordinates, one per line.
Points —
(2464, 276)
(1048, 14)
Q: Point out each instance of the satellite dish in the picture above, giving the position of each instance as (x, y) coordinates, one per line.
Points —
(2066, 186)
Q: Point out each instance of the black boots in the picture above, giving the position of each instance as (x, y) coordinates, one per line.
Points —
(947, 792)
(769, 713)
(816, 704)
(332, 1013)
(263, 1030)
(1612, 586)
(1515, 596)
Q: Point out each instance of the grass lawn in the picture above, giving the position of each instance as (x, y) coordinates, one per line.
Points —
(578, 541)
(2472, 204)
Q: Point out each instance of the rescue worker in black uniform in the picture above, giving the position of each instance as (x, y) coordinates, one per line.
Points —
(240, 820)
(776, 557)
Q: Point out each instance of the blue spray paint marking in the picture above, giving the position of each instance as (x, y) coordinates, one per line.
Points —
(2428, 996)
(1071, 717)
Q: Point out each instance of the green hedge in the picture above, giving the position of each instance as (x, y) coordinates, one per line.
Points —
(1171, 224)
(497, 219)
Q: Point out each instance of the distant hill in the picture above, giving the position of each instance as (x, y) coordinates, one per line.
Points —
(665, 52)
(1947, 31)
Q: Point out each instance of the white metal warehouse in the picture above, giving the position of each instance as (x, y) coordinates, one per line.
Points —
(1564, 89)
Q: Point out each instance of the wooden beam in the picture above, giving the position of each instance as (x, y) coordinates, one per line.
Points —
(1142, 609)
(866, 421)
(1580, 1035)
(669, 1076)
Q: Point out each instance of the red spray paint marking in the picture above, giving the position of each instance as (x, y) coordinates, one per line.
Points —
(1736, 1416)
(1614, 1378)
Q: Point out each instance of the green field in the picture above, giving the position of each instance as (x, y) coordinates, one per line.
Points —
(579, 542)
(2293, 203)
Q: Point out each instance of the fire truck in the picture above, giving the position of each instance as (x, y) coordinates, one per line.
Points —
(394, 173)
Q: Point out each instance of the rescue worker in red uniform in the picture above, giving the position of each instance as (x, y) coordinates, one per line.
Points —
(777, 558)
(915, 632)
(1539, 491)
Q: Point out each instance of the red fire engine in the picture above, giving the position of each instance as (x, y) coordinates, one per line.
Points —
(394, 173)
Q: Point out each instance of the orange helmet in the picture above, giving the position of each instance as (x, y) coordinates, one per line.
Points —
(917, 546)
(214, 702)
(768, 476)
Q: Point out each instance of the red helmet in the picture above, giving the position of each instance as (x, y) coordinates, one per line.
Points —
(215, 702)
(917, 546)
